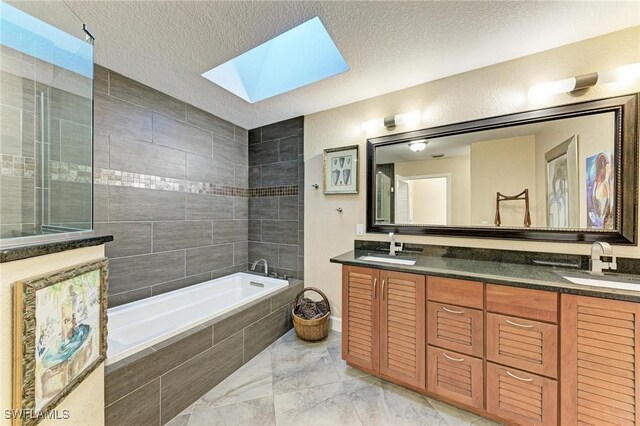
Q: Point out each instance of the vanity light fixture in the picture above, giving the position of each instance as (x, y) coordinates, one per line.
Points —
(390, 122)
(578, 86)
(419, 145)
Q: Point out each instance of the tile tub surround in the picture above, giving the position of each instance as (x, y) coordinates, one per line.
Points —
(156, 384)
(171, 186)
(293, 382)
(276, 218)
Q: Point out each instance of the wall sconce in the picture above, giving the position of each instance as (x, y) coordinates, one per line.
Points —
(392, 121)
(578, 86)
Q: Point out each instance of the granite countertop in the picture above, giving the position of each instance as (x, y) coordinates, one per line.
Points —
(512, 274)
(42, 248)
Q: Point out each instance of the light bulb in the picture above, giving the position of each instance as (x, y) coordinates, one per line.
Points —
(418, 146)
(543, 91)
(409, 118)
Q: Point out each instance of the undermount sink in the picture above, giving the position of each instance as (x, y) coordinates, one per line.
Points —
(603, 282)
(394, 260)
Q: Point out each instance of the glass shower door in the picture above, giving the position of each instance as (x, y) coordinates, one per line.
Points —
(46, 103)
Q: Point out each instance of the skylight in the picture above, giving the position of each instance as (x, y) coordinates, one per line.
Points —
(296, 58)
(23, 32)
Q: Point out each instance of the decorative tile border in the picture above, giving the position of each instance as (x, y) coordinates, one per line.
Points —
(61, 171)
(17, 166)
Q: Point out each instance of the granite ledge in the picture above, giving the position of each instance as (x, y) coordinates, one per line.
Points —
(537, 277)
(42, 249)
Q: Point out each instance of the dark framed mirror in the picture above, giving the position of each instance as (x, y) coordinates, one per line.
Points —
(565, 174)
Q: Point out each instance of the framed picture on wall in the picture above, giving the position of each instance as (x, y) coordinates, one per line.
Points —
(60, 327)
(340, 170)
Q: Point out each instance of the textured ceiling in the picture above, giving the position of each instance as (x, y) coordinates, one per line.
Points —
(388, 45)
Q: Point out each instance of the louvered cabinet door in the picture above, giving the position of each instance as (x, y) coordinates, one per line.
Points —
(600, 357)
(456, 328)
(522, 397)
(360, 337)
(455, 376)
(524, 344)
(402, 328)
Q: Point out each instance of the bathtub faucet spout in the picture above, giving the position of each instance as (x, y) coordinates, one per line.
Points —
(266, 266)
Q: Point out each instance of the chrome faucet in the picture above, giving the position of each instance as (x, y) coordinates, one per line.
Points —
(266, 266)
(596, 265)
(393, 248)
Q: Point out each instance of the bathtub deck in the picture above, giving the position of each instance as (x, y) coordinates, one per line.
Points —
(293, 382)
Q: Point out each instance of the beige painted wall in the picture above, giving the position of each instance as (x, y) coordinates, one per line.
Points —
(494, 90)
(86, 402)
(595, 134)
(459, 169)
(505, 166)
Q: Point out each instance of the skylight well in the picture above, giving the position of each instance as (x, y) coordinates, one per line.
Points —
(296, 58)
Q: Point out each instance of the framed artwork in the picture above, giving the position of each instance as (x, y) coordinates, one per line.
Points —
(600, 191)
(562, 185)
(60, 327)
(340, 170)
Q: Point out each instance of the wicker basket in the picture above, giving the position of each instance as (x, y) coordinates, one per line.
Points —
(313, 329)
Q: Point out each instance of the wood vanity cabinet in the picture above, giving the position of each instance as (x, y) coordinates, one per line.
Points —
(600, 365)
(384, 328)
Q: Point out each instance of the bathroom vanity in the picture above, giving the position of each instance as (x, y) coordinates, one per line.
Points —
(515, 343)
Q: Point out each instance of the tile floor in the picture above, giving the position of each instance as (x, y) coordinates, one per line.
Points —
(300, 383)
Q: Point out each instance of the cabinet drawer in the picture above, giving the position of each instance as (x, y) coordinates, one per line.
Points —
(456, 292)
(521, 397)
(456, 328)
(523, 302)
(455, 376)
(525, 344)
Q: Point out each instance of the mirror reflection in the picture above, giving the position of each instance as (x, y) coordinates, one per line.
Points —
(555, 174)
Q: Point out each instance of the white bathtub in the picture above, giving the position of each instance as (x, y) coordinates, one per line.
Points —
(138, 325)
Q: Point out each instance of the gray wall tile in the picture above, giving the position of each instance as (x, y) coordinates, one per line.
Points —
(142, 157)
(101, 149)
(241, 135)
(210, 258)
(254, 136)
(176, 235)
(229, 150)
(285, 297)
(180, 283)
(261, 334)
(186, 383)
(236, 322)
(209, 207)
(263, 208)
(130, 273)
(133, 204)
(282, 129)
(69, 106)
(100, 79)
(210, 122)
(240, 253)
(241, 176)
(284, 173)
(280, 231)
(288, 208)
(128, 296)
(266, 251)
(288, 149)
(255, 176)
(141, 407)
(230, 231)
(255, 230)
(129, 238)
(176, 134)
(240, 208)
(69, 202)
(228, 271)
(113, 116)
(75, 145)
(288, 256)
(203, 169)
(137, 93)
(263, 153)
(100, 203)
